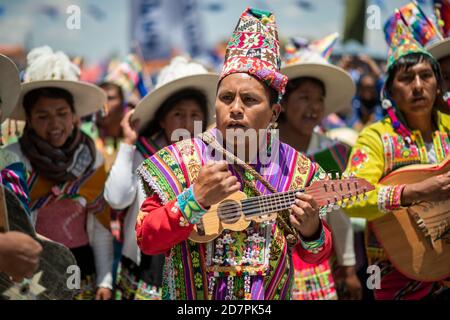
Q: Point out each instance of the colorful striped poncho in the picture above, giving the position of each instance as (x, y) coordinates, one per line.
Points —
(252, 264)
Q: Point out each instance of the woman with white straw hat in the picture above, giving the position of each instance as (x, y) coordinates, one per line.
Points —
(316, 88)
(19, 253)
(66, 172)
(184, 93)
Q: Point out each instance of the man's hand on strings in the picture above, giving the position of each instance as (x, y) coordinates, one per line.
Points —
(214, 183)
(305, 215)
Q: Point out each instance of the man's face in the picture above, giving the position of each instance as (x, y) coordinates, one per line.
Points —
(114, 104)
(414, 90)
(367, 88)
(243, 102)
(114, 101)
(445, 68)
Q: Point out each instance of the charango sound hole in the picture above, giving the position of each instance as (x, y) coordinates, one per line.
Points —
(229, 211)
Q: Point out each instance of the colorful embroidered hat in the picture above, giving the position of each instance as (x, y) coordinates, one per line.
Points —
(402, 43)
(442, 9)
(441, 48)
(303, 59)
(9, 86)
(424, 30)
(180, 74)
(127, 74)
(54, 69)
(254, 49)
(413, 17)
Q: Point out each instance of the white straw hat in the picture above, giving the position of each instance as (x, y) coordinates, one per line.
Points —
(440, 49)
(54, 69)
(9, 86)
(180, 74)
(310, 61)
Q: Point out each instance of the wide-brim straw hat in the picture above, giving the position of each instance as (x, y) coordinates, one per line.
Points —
(54, 69)
(9, 86)
(181, 74)
(440, 49)
(311, 59)
(339, 86)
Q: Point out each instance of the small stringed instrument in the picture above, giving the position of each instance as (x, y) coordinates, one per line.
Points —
(417, 239)
(51, 281)
(237, 211)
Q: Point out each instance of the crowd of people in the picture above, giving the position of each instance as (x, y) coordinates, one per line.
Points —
(101, 168)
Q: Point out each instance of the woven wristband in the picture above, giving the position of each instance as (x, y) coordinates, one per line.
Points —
(189, 207)
(314, 246)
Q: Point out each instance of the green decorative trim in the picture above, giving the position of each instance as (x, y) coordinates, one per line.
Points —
(189, 206)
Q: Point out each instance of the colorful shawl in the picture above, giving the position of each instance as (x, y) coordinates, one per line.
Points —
(333, 158)
(147, 147)
(89, 186)
(13, 176)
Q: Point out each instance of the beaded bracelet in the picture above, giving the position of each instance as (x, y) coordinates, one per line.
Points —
(393, 197)
(189, 207)
(314, 246)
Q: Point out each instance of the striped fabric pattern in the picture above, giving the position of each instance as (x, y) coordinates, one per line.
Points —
(13, 177)
(186, 276)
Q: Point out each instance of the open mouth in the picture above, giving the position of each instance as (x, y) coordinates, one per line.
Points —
(236, 125)
(55, 134)
(311, 117)
(419, 99)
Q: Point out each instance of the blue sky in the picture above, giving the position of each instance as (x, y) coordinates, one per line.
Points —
(105, 24)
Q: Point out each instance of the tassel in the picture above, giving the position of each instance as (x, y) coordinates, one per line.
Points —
(446, 97)
(9, 128)
(16, 128)
(398, 126)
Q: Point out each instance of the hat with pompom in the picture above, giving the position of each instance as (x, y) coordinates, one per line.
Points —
(46, 68)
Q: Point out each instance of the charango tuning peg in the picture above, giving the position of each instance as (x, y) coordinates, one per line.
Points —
(350, 201)
(336, 203)
(322, 175)
(330, 176)
(344, 175)
(329, 207)
(365, 194)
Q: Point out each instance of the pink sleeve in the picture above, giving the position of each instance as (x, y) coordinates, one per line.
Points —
(159, 228)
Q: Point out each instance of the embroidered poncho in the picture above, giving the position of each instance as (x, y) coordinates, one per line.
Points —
(252, 264)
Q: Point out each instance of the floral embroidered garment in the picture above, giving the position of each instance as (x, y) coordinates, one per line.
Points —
(378, 151)
(252, 264)
(315, 281)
